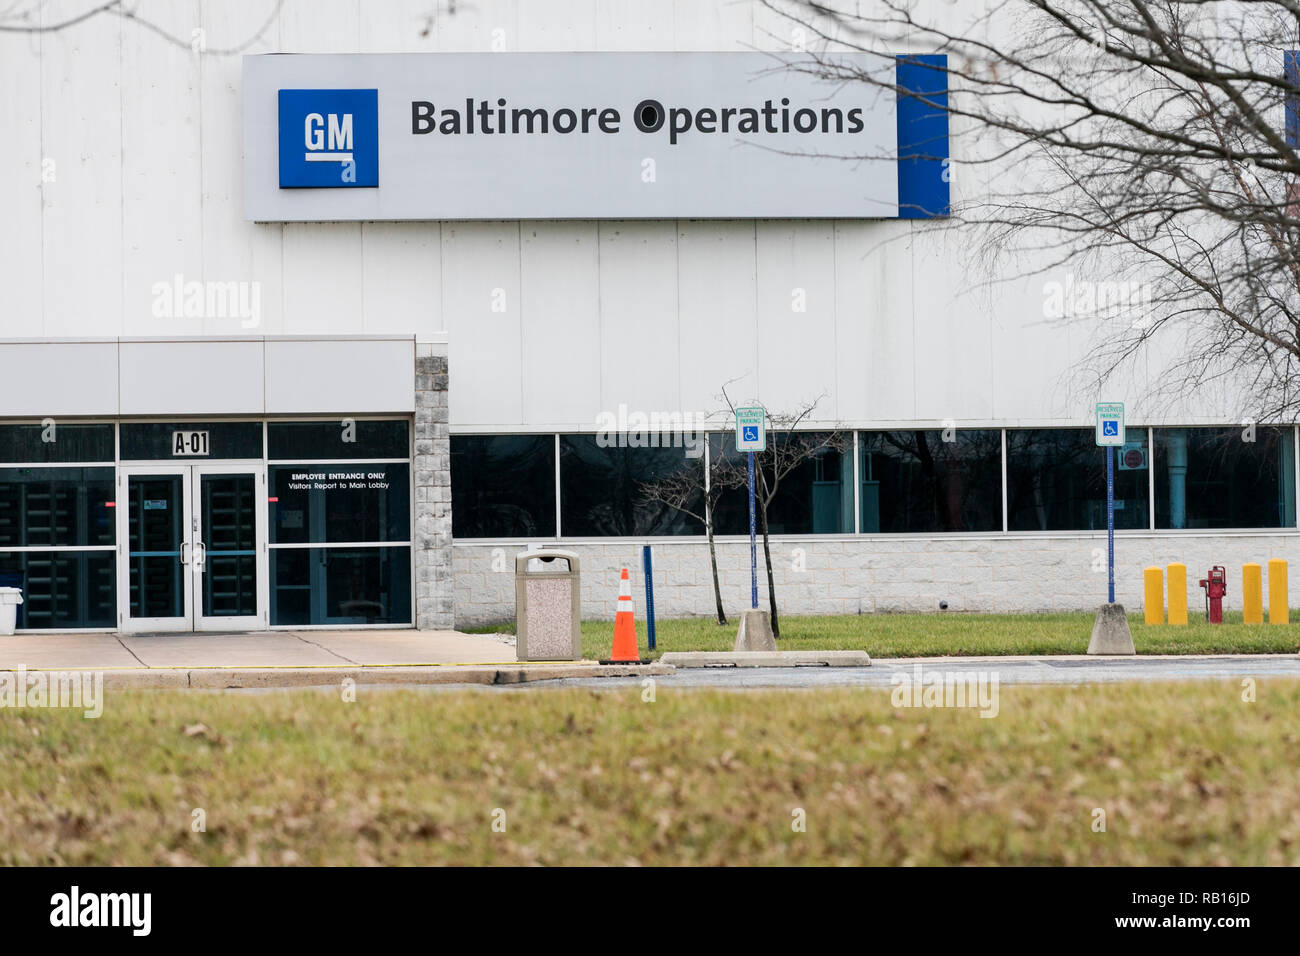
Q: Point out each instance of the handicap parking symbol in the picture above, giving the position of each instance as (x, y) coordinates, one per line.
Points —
(1110, 427)
(750, 432)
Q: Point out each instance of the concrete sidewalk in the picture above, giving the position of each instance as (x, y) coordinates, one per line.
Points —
(292, 658)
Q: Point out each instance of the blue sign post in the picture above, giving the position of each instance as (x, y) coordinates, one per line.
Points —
(751, 436)
(1110, 435)
(753, 541)
(648, 567)
(1110, 524)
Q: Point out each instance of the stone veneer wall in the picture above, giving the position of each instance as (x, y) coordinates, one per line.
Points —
(865, 575)
(434, 603)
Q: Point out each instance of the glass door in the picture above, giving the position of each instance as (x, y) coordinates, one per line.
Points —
(230, 581)
(195, 548)
(154, 529)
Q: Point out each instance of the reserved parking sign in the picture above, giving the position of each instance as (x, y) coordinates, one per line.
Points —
(1110, 424)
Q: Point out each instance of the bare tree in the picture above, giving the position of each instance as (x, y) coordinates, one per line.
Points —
(1149, 142)
(790, 446)
(694, 490)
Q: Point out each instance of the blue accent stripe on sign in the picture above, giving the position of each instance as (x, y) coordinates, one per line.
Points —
(923, 168)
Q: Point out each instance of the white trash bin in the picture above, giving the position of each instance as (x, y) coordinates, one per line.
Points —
(10, 598)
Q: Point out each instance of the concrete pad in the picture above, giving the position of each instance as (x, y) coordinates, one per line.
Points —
(64, 652)
(257, 649)
(767, 659)
(412, 647)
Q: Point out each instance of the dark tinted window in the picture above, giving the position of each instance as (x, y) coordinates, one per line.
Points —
(914, 481)
(340, 586)
(152, 441)
(816, 497)
(1056, 481)
(502, 486)
(602, 493)
(63, 589)
(344, 438)
(326, 503)
(40, 443)
(1218, 478)
(56, 507)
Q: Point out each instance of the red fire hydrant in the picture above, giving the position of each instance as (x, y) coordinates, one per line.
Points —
(1216, 586)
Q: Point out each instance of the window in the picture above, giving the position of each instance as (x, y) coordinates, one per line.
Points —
(59, 507)
(328, 503)
(340, 522)
(30, 444)
(816, 497)
(1056, 481)
(602, 489)
(342, 586)
(63, 589)
(68, 513)
(914, 481)
(338, 439)
(1217, 478)
(503, 486)
(152, 441)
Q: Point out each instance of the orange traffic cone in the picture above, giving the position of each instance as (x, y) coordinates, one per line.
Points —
(624, 650)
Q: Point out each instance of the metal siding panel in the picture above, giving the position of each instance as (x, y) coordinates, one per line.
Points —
(796, 350)
(322, 278)
(560, 282)
(712, 26)
(349, 376)
(719, 340)
(235, 250)
(22, 196)
(162, 222)
(86, 373)
(401, 266)
(484, 347)
(191, 377)
(474, 27)
(638, 316)
(82, 230)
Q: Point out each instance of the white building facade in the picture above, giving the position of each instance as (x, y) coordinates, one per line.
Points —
(234, 402)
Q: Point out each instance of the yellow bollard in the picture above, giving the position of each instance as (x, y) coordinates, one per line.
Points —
(1252, 594)
(1178, 594)
(1154, 601)
(1277, 592)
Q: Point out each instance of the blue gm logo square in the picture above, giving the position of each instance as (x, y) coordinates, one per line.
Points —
(329, 139)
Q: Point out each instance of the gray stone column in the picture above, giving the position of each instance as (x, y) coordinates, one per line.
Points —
(434, 608)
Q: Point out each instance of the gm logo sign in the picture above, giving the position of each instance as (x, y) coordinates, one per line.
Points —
(329, 138)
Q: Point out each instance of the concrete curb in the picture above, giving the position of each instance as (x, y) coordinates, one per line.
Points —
(224, 678)
(767, 659)
(1075, 658)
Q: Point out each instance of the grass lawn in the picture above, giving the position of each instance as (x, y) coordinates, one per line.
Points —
(1187, 773)
(930, 635)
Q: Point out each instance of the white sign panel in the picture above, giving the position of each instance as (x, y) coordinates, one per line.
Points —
(186, 444)
(1110, 424)
(566, 136)
(751, 429)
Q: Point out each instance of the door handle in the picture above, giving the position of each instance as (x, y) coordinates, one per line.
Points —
(185, 555)
(200, 555)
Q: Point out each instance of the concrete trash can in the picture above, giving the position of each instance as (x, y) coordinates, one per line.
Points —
(548, 602)
(10, 598)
